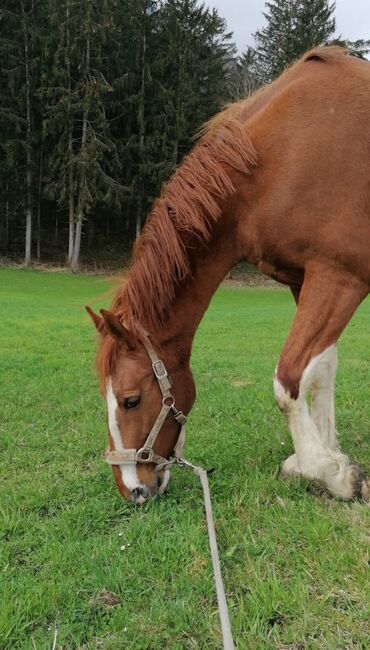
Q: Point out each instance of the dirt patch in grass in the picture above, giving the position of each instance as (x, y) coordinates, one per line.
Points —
(105, 599)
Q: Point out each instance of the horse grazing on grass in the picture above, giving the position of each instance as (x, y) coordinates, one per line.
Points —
(282, 180)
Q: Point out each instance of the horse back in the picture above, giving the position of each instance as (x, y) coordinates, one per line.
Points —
(310, 194)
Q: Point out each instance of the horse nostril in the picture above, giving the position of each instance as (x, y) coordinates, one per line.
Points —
(139, 494)
(159, 482)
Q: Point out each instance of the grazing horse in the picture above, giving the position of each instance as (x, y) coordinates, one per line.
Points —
(282, 180)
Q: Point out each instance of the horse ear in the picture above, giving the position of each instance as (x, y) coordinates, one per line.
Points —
(117, 330)
(97, 320)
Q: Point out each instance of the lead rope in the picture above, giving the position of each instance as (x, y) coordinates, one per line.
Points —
(165, 386)
(228, 643)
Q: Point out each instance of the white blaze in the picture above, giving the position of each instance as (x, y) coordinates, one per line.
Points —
(128, 471)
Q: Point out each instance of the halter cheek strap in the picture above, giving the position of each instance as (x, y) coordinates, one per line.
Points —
(146, 453)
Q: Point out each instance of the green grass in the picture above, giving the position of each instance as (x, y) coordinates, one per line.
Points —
(295, 561)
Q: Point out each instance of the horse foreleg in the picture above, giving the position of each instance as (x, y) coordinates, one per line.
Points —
(328, 300)
(322, 407)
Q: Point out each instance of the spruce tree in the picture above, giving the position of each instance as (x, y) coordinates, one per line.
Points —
(190, 72)
(83, 168)
(12, 127)
(244, 79)
(20, 48)
(293, 26)
(360, 48)
(176, 56)
(100, 101)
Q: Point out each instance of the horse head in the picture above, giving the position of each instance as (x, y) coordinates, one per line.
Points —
(146, 398)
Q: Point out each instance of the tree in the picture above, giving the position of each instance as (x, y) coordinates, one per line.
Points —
(20, 43)
(360, 48)
(58, 123)
(293, 26)
(83, 168)
(244, 79)
(12, 125)
(100, 101)
(189, 74)
(176, 57)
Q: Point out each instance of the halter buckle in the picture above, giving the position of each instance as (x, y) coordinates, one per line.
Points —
(159, 369)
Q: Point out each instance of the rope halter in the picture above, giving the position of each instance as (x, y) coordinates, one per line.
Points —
(146, 453)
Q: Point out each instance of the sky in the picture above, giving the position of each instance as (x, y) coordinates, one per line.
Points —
(244, 17)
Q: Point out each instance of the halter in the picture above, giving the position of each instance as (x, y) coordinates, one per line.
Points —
(146, 453)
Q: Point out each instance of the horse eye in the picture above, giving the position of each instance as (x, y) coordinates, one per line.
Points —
(131, 402)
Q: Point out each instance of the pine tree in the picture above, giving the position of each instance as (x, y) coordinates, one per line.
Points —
(12, 126)
(19, 41)
(360, 48)
(84, 167)
(316, 24)
(293, 26)
(195, 56)
(189, 75)
(59, 119)
(100, 101)
(244, 79)
(176, 56)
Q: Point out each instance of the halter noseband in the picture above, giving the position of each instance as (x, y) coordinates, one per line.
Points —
(146, 453)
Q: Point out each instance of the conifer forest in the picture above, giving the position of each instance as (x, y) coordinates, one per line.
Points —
(101, 99)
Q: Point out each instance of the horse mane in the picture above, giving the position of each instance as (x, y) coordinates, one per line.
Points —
(188, 207)
(186, 210)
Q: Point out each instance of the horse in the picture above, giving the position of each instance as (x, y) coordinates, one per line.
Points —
(281, 180)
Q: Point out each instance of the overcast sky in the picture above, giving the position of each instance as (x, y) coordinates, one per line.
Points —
(244, 17)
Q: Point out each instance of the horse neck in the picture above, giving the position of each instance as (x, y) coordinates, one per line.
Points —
(209, 266)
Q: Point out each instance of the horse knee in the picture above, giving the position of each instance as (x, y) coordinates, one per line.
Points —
(281, 395)
(286, 387)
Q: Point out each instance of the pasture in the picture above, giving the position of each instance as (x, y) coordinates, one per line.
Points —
(76, 557)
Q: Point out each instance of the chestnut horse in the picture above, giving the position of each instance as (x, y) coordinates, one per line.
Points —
(282, 180)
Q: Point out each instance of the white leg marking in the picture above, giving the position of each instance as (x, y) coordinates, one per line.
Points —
(322, 407)
(291, 467)
(128, 472)
(316, 459)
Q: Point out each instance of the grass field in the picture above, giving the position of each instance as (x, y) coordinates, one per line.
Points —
(295, 561)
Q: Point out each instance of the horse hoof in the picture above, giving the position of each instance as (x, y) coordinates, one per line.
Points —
(290, 468)
(361, 483)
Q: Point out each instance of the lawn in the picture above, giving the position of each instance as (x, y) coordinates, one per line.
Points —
(75, 557)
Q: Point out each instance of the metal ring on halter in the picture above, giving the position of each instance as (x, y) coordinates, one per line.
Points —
(171, 397)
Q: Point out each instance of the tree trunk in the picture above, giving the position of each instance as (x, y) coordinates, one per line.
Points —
(28, 243)
(77, 245)
(141, 120)
(71, 238)
(38, 246)
(80, 207)
(7, 232)
(56, 231)
(27, 257)
(70, 148)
